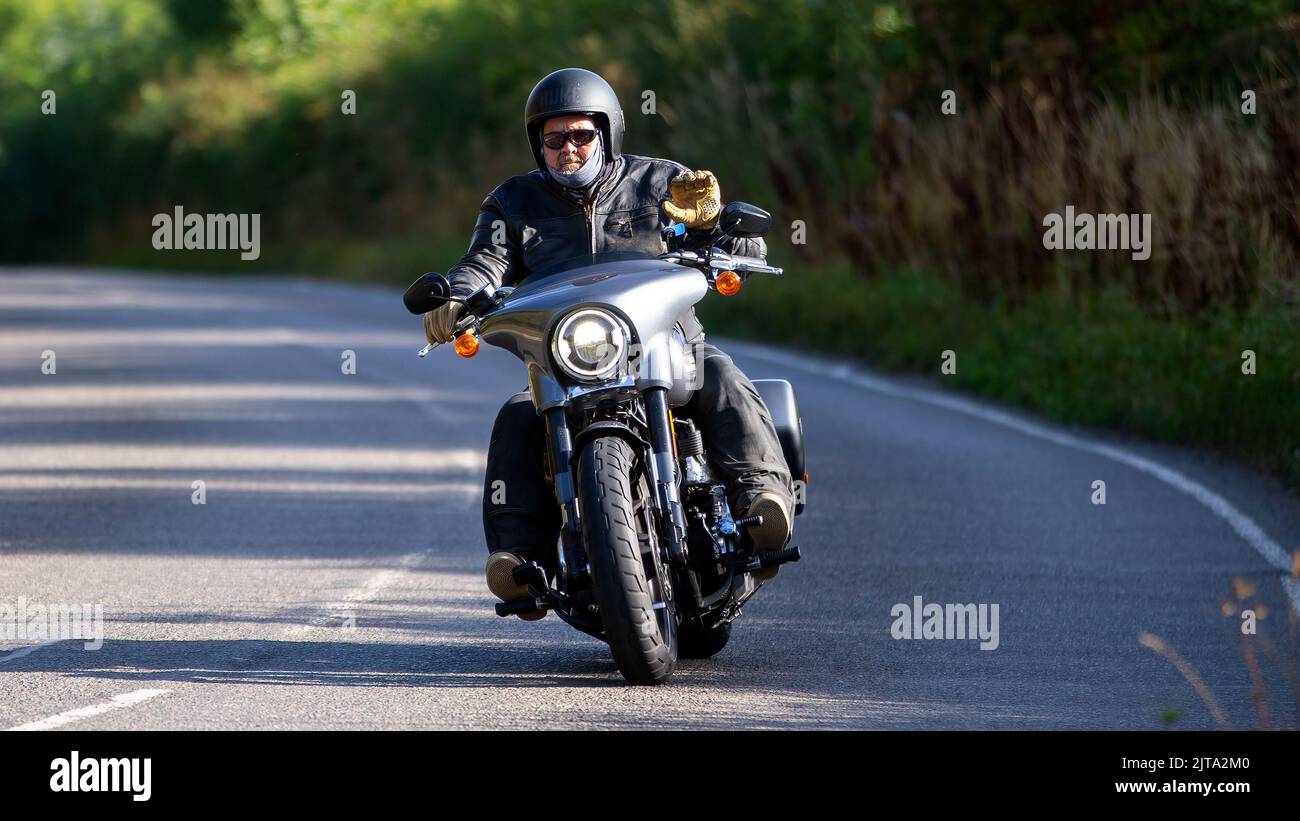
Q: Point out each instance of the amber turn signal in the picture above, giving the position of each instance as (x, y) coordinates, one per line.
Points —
(727, 283)
(467, 344)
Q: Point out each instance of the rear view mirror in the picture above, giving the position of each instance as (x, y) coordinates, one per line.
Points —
(428, 292)
(740, 219)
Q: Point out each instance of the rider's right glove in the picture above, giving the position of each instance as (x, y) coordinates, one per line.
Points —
(440, 323)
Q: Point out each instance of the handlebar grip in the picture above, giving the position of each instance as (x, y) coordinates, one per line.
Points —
(465, 324)
(461, 327)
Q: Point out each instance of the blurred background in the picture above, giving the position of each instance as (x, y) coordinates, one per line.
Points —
(923, 230)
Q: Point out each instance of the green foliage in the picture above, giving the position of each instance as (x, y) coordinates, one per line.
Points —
(166, 100)
(1111, 45)
(1099, 361)
(821, 110)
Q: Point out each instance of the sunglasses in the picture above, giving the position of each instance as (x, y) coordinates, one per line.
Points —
(555, 140)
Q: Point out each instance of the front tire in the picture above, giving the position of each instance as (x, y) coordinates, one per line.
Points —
(637, 611)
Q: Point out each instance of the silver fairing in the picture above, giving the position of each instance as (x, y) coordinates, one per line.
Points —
(647, 293)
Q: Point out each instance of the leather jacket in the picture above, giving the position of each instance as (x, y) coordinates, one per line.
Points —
(545, 222)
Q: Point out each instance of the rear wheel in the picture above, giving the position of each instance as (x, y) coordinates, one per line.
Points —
(632, 590)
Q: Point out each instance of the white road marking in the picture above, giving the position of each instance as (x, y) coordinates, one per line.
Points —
(98, 396)
(139, 456)
(1245, 527)
(342, 612)
(469, 491)
(62, 338)
(26, 651)
(67, 717)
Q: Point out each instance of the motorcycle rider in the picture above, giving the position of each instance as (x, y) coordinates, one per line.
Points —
(586, 196)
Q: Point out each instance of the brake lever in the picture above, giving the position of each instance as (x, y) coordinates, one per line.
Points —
(742, 265)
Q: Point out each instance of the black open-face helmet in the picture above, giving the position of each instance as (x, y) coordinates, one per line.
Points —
(574, 91)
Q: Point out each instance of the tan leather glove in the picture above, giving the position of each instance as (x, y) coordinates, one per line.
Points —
(440, 323)
(696, 199)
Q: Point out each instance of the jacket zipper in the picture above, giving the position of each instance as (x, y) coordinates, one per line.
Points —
(590, 207)
(595, 195)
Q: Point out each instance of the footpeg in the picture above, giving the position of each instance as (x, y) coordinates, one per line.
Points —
(750, 521)
(780, 557)
(523, 605)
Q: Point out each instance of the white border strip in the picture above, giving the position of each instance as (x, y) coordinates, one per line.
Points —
(69, 716)
(1245, 527)
(24, 651)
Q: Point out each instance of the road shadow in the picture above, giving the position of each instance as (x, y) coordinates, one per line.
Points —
(454, 662)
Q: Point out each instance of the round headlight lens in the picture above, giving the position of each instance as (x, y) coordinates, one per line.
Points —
(589, 344)
(591, 341)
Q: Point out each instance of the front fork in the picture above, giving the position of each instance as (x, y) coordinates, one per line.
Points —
(663, 473)
(662, 466)
(573, 558)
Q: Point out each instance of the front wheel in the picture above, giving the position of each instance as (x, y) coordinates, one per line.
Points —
(636, 606)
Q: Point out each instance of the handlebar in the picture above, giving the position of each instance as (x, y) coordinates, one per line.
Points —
(462, 326)
(721, 261)
(744, 265)
(710, 263)
(484, 300)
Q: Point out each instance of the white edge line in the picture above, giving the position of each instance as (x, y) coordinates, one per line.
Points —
(24, 651)
(69, 716)
(1244, 526)
(360, 596)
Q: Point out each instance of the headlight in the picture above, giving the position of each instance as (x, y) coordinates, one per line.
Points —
(589, 344)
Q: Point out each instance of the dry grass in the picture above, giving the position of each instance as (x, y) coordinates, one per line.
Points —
(967, 194)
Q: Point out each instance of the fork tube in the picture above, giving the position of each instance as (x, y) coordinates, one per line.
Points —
(560, 452)
(663, 470)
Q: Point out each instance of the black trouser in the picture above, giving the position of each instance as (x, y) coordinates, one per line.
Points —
(520, 512)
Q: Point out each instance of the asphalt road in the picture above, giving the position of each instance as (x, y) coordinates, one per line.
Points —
(333, 576)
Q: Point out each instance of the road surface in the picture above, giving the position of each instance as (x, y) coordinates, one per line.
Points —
(332, 578)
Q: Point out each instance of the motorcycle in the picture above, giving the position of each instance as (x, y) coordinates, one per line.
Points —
(650, 558)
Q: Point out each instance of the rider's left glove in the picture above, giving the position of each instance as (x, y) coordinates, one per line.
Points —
(696, 199)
